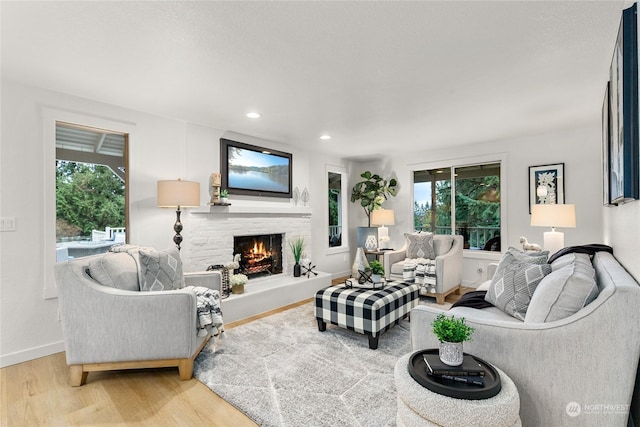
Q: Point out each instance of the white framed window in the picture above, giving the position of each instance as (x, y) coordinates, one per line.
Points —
(462, 196)
(336, 217)
(50, 118)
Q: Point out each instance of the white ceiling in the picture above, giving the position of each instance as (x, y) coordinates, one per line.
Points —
(372, 74)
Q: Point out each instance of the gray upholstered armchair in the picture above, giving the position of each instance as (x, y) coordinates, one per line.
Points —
(109, 324)
(448, 261)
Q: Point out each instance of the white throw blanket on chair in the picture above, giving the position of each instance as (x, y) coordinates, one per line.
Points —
(421, 272)
(209, 311)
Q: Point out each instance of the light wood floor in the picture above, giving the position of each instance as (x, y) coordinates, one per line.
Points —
(37, 393)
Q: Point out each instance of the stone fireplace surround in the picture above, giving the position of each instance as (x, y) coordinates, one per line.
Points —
(209, 234)
(209, 240)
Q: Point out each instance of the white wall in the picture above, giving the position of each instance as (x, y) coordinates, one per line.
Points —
(578, 149)
(160, 148)
(622, 232)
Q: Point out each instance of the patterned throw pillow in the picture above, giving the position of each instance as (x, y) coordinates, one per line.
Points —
(513, 284)
(161, 270)
(420, 245)
(537, 257)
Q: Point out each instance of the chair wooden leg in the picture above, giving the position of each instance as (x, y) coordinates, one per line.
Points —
(77, 376)
(440, 298)
(185, 367)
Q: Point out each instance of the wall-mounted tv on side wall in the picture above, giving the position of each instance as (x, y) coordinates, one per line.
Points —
(255, 171)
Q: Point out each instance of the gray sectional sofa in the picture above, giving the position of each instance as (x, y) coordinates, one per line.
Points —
(577, 370)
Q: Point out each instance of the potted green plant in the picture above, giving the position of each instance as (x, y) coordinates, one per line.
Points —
(377, 270)
(372, 191)
(237, 282)
(224, 196)
(452, 332)
(297, 247)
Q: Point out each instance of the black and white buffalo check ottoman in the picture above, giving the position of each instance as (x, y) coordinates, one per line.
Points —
(366, 311)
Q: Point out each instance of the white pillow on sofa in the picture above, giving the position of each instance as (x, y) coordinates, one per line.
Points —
(568, 288)
(117, 270)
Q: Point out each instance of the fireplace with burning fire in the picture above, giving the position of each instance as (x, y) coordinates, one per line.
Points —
(259, 254)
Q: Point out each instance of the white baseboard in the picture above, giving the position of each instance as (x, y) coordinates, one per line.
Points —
(341, 275)
(471, 283)
(30, 354)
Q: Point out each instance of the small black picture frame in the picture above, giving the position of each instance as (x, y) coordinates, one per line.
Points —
(546, 184)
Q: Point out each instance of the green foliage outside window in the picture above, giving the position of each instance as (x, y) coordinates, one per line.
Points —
(477, 203)
(88, 197)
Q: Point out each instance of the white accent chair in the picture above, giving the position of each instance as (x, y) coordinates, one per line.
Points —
(448, 251)
(113, 328)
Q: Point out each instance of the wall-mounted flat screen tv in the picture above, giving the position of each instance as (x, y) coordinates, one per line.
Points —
(255, 171)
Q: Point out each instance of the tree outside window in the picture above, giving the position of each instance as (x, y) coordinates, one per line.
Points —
(88, 197)
(475, 208)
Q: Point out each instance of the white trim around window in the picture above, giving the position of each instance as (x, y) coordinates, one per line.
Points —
(470, 161)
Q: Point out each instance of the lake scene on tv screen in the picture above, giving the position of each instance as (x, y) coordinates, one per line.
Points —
(253, 170)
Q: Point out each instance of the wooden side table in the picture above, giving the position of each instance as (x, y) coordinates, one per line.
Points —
(378, 254)
(418, 405)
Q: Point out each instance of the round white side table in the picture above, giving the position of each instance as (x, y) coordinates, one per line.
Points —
(419, 406)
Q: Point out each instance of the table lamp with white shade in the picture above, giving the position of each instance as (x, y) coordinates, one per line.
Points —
(178, 194)
(383, 217)
(553, 215)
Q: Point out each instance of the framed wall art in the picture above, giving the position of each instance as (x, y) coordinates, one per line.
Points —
(606, 141)
(623, 145)
(546, 184)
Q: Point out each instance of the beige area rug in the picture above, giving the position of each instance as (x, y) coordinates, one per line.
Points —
(282, 371)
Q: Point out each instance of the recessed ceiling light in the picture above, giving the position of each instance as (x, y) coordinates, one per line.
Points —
(325, 137)
(253, 115)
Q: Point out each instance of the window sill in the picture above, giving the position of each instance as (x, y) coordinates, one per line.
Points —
(478, 254)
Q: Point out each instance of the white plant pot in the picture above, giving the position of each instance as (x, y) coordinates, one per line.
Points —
(451, 353)
(377, 278)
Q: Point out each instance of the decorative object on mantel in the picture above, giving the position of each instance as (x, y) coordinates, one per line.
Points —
(215, 181)
(451, 333)
(307, 268)
(224, 197)
(557, 215)
(305, 196)
(237, 282)
(296, 195)
(372, 192)
(297, 246)
(526, 246)
(178, 194)
(360, 263)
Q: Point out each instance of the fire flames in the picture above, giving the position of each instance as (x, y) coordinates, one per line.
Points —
(258, 253)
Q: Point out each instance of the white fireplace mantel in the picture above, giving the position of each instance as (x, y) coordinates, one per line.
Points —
(252, 210)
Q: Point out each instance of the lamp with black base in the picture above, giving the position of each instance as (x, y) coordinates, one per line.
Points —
(178, 194)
